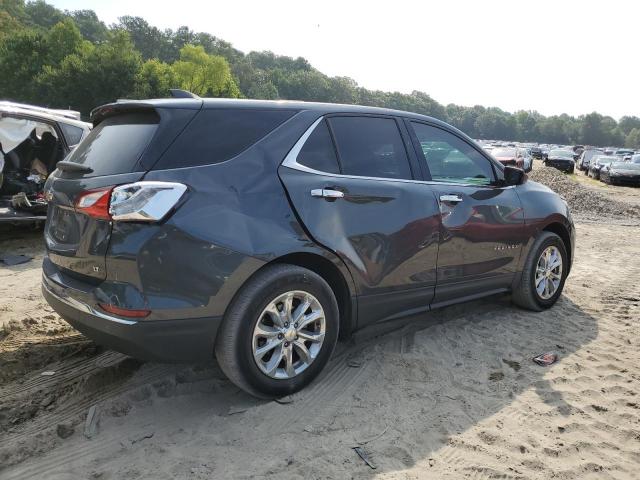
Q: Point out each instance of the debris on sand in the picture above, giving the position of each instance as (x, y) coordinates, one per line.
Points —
(91, 424)
(581, 199)
(284, 400)
(64, 430)
(546, 359)
(363, 455)
(11, 260)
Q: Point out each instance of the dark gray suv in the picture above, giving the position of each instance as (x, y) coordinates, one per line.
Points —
(260, 232)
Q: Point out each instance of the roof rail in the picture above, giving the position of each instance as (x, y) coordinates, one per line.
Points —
(72, 114)
(178, 93)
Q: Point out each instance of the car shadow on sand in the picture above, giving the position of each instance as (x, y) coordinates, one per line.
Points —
(400, 392)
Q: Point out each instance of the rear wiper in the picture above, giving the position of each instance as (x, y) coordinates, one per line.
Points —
(73, 167)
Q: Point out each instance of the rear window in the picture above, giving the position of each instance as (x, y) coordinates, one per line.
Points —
(116, 144)
(216, 135)
(318, 151)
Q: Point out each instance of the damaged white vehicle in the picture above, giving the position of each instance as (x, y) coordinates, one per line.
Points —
(32, 142)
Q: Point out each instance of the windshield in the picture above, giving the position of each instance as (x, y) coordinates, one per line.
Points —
(561, 154)
(606, 160)
(504, 152)
(625, 166)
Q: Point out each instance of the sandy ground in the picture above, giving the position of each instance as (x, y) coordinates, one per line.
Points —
(452, 394)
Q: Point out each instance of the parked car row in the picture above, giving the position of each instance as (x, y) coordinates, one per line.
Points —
(611, 165)
(514, 155)
(619, 167)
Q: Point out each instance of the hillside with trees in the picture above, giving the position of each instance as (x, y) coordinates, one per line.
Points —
(72, 59)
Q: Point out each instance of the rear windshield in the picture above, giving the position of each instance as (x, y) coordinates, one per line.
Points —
(116, 144)
(216, 135)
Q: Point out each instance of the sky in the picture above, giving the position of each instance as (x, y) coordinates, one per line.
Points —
(553, 56)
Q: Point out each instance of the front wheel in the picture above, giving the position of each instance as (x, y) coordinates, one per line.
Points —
(544, 274)
(279, 331)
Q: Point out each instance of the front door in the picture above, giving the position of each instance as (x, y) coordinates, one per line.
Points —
(481, 222)
(351, 182)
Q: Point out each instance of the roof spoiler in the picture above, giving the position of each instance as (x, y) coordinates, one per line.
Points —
(178, 93)
(100, 113)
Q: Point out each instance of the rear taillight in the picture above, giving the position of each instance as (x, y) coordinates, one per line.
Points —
(139, 202)
(145, 201)
(95, 203)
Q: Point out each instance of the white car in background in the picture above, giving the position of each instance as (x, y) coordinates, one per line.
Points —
(32, 142)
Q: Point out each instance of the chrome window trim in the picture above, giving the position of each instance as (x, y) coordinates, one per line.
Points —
(78, 305)
(291, 161)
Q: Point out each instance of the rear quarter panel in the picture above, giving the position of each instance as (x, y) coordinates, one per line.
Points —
(234, 219)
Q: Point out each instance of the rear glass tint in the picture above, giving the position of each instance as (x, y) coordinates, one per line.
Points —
(216, 135)
(116, 144)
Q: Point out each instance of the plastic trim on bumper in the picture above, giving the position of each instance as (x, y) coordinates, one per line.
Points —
(78, 305)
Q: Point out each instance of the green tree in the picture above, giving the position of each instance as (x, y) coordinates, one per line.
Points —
(463, 118)
(148, 40)
(592, 131)
(39, 13)
(627, 124)
(12, 16)
(63, 39)
(22, 56)
(93, 76)
(90, 26)
(633, 139)
(204, 74)
(154, 80)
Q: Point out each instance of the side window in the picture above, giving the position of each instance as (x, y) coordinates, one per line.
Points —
(370, 147)
(219, 134)
(72, 133)
(318, 151)
(451, 159)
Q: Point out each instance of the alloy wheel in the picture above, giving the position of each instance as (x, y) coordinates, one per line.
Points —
(288, 334)
(548, 272)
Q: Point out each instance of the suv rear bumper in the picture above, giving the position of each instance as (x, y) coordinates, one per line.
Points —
(157, 340)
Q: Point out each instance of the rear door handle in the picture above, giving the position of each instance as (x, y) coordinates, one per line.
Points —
(326, 193)
(450, 198)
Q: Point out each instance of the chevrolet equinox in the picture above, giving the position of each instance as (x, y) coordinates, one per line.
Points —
(260, 232)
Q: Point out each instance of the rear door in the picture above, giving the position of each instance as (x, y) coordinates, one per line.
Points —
(117, 151)
(352, 181)
(482, 229)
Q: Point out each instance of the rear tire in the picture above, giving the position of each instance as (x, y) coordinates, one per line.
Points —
(527, 294)
(255, 320)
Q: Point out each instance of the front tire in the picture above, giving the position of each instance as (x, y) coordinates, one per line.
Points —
(544, 274)
(279, 331)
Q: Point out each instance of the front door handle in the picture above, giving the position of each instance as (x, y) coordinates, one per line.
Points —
(327, 193)
(450, 198)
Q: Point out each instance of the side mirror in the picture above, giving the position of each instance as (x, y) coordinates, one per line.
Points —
(513, 176)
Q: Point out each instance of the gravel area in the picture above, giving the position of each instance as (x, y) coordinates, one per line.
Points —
(583, 200)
